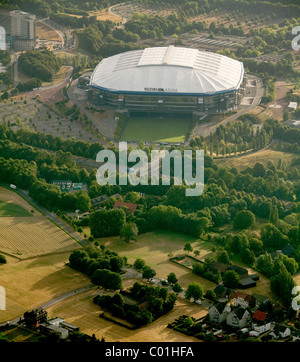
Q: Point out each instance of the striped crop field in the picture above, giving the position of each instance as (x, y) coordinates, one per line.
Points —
(25, 237)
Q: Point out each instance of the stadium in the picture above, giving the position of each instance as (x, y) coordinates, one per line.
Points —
(168, 79)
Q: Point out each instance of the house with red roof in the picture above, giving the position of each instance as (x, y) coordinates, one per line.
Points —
(259, 322)
(128, 206)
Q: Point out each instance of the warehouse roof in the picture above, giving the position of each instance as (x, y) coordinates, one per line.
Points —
(168, 70)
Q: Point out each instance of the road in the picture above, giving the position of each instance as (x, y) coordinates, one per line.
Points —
(54, 301)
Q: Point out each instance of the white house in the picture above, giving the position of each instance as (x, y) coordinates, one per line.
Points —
(280, 331)
(261, 328)
(219, 312)
(238, 318)
(296, 336)
(243, 300)
(292, 106)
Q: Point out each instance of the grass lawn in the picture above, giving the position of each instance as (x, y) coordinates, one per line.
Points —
(82, 312)
(261, 156)
(156, 247)
(30, 283)
(156, 129)
(10, 209)
(20, 334)
(17, 203)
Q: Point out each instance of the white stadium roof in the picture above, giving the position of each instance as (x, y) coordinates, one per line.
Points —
(168, 70)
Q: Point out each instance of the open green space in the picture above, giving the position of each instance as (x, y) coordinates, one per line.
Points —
(156, 248)
(10, 209)
(156, 129)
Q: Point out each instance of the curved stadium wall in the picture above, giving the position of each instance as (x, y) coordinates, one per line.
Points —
(168, 79)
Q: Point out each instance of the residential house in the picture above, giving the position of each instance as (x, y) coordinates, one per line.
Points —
(219, 312)
(128, 206)
(280, 331)
(97, 201)
(259, 322)
(296, 336)
(243, 300)
(292, 106)
(238, 318)
(288, 250)
(222, 292)
(260, 299)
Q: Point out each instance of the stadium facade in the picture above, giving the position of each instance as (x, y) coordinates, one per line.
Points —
(168, 79)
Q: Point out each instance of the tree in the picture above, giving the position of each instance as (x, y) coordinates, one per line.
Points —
(107, 279)
(2, 259)
(194, 290)
(197, 252)
(282, 284)
(148, 272)
(223, 257)
(259, 170)
(273, 218)
(177, 288)
(129, 231)
(264, 264)
(210, 294)
(243, 219)
(172, 279)
(139, 264)
(272, 237)
(247, 256)
(188, 247)
(231, 279)
(107, 222)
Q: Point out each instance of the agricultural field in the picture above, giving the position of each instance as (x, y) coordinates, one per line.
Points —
(81, 311)
(15, 205)
(26, 237)
(9, 209)
(42, 279)
(25, 233)
(156, 129)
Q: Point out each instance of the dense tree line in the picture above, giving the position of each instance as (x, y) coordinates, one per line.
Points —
(102, 266)
(45, 8)
(107, 222)
(50, 142)
(40, 64)
(29, 85)
(130, 312)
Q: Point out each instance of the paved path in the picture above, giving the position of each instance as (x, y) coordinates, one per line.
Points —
(51, 302)
(204, 129)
